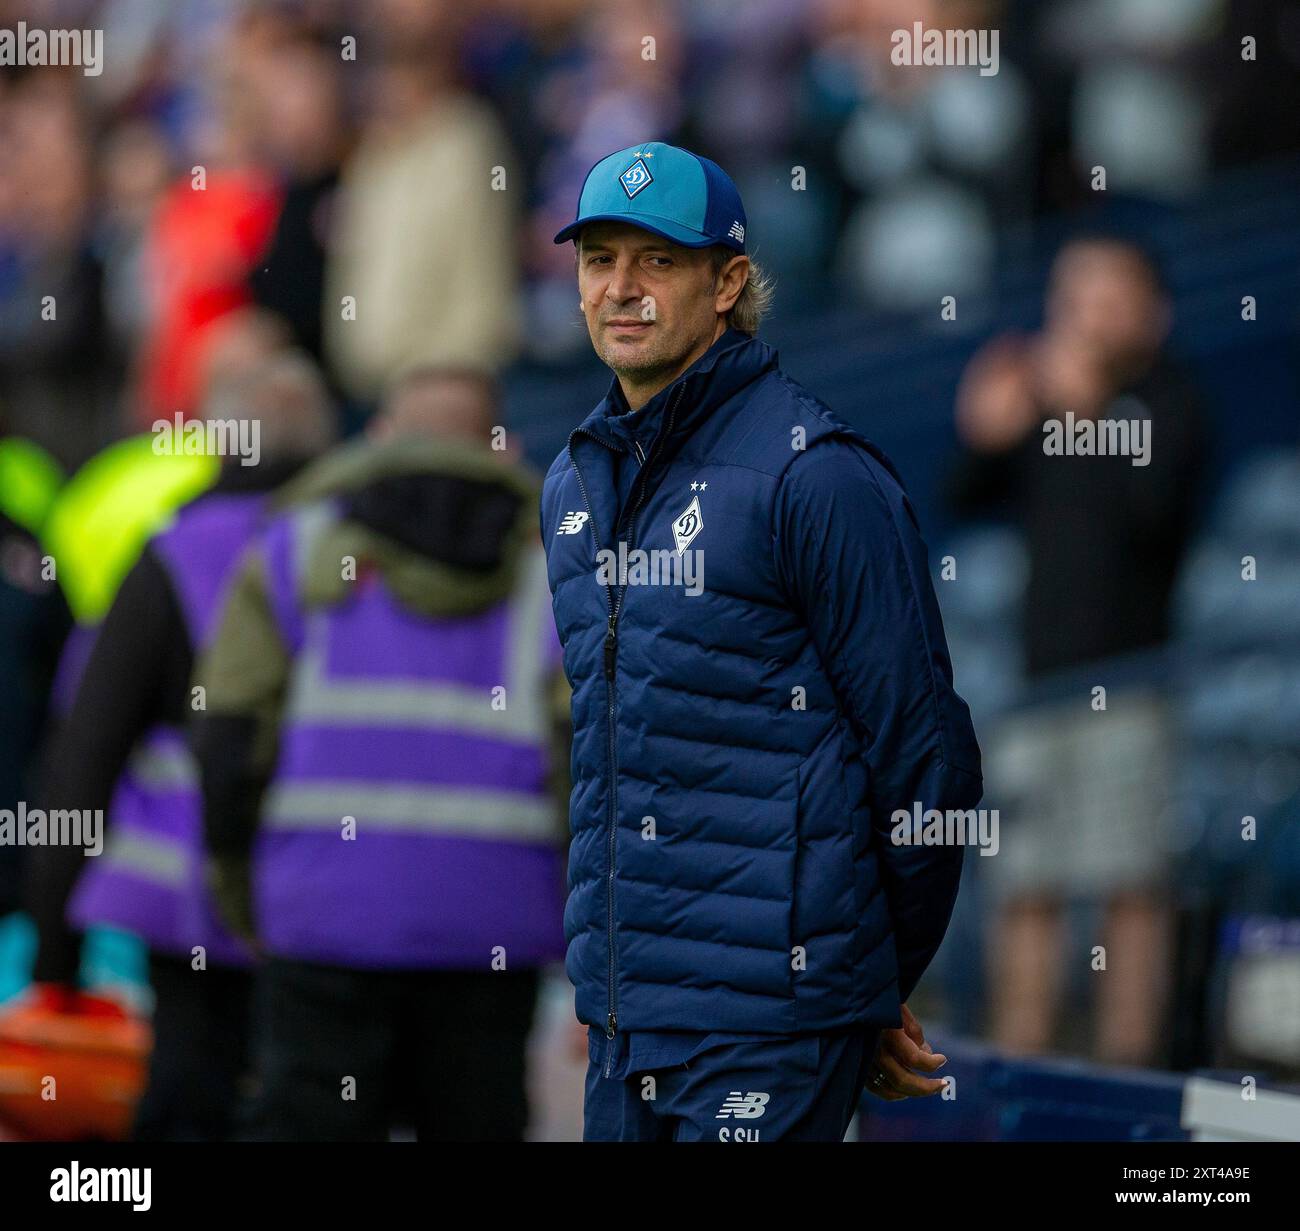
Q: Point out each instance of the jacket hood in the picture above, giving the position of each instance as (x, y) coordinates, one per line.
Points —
(444, 523)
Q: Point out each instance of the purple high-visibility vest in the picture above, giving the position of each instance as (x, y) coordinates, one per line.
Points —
(408, 823)
(150, 878)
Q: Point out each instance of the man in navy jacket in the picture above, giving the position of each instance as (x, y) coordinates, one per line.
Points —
(762, 701)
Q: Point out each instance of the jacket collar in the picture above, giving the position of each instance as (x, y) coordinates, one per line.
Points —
(733, 361)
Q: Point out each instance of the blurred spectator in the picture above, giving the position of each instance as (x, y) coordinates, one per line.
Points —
(34, 621)
(210, 228)
(375, 778)
(302, 137)
(1138, 109)
(121, 751)
(936, 154)
(1099, 526)
(52, 334)
(425, 246)
(1105, 536)
(594, 78)
(136, 170)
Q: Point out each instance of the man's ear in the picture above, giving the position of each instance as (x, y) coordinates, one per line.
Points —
(730, 282)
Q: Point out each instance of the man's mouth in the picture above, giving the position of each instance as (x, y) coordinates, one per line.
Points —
(627, 327)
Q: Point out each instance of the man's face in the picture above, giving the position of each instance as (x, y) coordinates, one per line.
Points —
(1101, 295)
(649, 303)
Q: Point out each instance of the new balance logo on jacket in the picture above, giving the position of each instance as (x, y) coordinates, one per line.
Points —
(572, 523)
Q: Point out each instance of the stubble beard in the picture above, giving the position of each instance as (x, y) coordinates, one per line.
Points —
(631, 362)
(642, 364)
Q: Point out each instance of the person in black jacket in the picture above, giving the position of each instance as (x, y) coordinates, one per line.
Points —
(34, 622)
(1105, 531)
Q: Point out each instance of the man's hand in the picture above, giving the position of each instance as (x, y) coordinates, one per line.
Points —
(891, 1077)
(996, 403)
(577, 1042)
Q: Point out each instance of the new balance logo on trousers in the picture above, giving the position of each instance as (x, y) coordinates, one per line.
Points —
(811, 1087)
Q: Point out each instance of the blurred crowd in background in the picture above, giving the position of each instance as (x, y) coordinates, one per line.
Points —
(364, 168)
(375, 185)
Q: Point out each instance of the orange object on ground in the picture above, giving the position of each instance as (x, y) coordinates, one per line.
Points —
(72, 1066)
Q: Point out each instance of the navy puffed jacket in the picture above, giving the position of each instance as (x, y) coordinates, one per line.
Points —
(760, 682)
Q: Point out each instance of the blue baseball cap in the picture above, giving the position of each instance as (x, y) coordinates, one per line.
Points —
(665, 190)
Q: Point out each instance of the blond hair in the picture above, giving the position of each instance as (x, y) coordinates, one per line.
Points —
(755, 298)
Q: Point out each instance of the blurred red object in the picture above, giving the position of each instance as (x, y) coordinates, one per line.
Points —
(72, 1066)
(202, 245)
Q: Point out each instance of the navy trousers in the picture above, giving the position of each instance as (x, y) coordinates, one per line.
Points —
(794, 1088)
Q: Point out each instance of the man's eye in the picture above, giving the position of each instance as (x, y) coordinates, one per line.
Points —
(662, 260)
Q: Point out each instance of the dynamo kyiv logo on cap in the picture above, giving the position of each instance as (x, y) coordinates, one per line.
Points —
(636, 177)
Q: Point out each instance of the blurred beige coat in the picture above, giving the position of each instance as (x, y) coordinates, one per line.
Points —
(427, 248)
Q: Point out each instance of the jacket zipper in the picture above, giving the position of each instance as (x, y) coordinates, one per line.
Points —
(611, 654)
(611, 1020)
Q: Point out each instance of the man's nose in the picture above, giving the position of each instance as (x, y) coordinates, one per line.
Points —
(623, 283)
